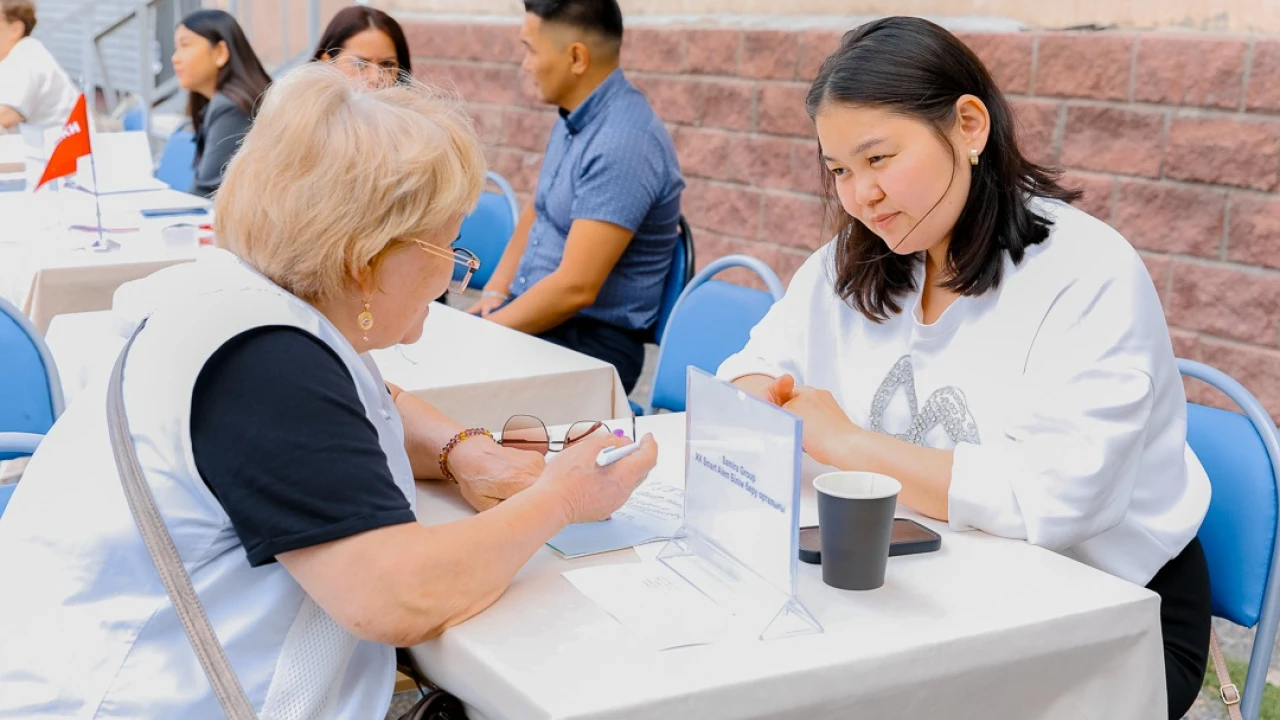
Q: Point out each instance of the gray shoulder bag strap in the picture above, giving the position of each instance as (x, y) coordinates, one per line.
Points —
(165, 556)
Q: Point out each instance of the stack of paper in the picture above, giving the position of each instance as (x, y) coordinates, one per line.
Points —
(653, 513)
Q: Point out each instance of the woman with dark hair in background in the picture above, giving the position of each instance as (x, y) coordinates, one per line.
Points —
(1000, 353)
(216, 65)
(367, 43)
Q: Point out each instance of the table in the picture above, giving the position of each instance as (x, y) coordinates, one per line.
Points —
(474, 371)
(44, 267)
(985, 628)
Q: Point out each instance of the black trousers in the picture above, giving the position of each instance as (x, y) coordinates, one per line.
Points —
(1185, 611)
(624, 349)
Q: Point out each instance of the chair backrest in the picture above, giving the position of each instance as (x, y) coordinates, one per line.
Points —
(30, 390)
(134, 119)
(6, 492)
(487, 231)
(711, 321)
(177, 161)
(678, 277)
(1241, 454)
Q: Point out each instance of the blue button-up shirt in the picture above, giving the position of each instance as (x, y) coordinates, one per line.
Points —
(611, 159)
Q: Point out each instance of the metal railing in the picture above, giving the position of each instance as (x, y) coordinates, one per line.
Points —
(94, 61)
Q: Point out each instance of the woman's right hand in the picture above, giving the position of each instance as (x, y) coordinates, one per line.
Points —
(486, 305)
(593, 493)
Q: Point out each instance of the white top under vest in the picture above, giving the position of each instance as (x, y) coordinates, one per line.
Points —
(86, 628)
(1058, 392)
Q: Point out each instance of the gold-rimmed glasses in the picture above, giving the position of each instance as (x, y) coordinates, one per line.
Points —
(466, 264)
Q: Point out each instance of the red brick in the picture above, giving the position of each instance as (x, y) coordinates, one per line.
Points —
(1186, 344)
(710, 154)
(527, 130)
(1171, 218)
(712, 52)
(527, 94)
(1189, 70)
(781, 111)
(806, 170)
(494, 84)
(1160, 267)
(728, 209)
(728, 104)
(769, 54)
(766, 161)
(518, 167)
(1085, 66)
(793, 220)
(711, 245)
(1226, 301)
(1263, 92)
(1035, 121)
(1097, 193)
(438, 40)
(1007, 57)
(496, 42)
(653, 49)
(1258, 369)
(1254, 236)
(815, 47)
(1113, 140)
(673, 99)
(488, 122)
(1224, 151)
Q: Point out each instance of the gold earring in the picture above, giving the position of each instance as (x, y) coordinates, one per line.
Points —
(365, 320)
(973, 157)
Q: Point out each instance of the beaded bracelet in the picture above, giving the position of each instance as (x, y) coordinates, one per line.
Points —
(449, 446)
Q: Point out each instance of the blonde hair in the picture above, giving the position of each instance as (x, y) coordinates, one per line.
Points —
(334, 172)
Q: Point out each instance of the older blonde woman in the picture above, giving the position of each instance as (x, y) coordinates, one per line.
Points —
(280, 462)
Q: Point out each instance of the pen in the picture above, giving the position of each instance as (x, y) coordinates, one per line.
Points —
(609, 456)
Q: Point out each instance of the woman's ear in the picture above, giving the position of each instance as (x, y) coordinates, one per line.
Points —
(221, 54)
(973, 122)
(326, 57)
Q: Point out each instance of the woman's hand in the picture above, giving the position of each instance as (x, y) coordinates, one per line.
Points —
(770, 389)
(828, 432)
(486, 305)
(488, 473)
(592, 493)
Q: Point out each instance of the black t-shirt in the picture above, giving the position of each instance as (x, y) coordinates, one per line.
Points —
(281, 439)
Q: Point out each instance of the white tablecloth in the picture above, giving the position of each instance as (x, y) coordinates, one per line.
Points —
(45, 268)
(985, 628)
(474, 371)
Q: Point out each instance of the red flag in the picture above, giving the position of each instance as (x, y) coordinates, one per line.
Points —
(72, 145)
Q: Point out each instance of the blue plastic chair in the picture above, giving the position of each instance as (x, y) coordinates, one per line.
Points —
(711, 320)
(134, 120)
(487, 231)
(177, 162)
(1241, 454)
(678, 277)
(30, 391)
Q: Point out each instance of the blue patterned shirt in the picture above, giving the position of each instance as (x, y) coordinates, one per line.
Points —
(612, 160)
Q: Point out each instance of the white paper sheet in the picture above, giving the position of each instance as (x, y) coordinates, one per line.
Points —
(656, 604)
(653, 513)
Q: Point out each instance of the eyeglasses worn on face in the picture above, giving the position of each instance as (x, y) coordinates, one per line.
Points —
(466, 261)
(526, 432)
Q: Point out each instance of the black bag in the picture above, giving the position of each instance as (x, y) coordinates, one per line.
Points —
(436, 704)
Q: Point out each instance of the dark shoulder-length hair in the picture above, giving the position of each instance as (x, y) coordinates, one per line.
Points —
(242, 80)
(910, 66)
(354, 20)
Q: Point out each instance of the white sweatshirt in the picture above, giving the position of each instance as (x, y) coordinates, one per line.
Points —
(1058, 392)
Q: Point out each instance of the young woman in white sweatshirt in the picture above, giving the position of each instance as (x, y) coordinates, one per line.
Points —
(968, 332)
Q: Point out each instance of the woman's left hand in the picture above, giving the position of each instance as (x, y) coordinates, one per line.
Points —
(828, 432)
(488, 473)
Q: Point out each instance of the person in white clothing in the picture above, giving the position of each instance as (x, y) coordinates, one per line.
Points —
(968, 332)
(33, 88)
(281, 463)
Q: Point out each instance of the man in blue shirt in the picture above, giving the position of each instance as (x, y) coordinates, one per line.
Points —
(585, 266)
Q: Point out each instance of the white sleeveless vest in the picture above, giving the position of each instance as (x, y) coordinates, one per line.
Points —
(86, 629)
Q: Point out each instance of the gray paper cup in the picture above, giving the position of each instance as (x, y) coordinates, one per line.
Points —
(855, 521)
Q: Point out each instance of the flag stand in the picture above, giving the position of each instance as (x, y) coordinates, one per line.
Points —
(102, 244)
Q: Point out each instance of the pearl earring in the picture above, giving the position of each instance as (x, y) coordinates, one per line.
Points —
(973, 157)
(365, 320)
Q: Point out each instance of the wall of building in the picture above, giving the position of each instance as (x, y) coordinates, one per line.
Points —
(1174, 138)
(1218, 15)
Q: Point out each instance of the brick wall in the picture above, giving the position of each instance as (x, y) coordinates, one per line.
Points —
(1175, 139)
